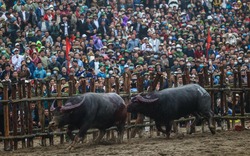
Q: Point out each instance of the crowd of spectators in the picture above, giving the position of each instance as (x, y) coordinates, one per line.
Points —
(110, 37)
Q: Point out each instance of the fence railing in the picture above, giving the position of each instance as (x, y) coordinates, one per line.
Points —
(29, 99)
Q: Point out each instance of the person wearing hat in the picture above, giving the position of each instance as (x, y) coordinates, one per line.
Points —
(32, 48)
(16, 59)
(101, 73)
(39, 73)
(56, 73)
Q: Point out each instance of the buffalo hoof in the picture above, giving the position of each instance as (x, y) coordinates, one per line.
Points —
(70, 148)
(212, 129)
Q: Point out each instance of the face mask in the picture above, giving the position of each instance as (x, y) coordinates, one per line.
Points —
(235, 63)
(55, 72)
(117, 43)
(188, 64)
(246, 61)
(170, 56)
(240, 61)
(131, 68)
(143, 27)
(118, 54)
(155, 56)
(28, 61)
(111, 72)
(201, 65)
(48, 74)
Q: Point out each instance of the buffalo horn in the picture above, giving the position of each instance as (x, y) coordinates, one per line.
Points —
(52, 107)
(69, 106)
(142, 99)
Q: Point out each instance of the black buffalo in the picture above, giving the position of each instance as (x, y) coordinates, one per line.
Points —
(169, 104)
(90, 110)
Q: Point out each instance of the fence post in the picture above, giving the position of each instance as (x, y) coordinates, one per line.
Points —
(206, 75)
(83, 84)
(247, 95)
(7, 145)
(51, 137)
(242, 108)
(234, 96)
(117, 85)
(14, 113)
(139, 119)
(187, 75)
(20, 95)
(92, 85)
(212, 95)
(30, 122)
(126, 87)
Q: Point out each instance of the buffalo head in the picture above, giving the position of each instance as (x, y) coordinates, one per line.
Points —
(61, 115)
(141, 102)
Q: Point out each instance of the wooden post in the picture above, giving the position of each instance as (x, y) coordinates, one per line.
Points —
(25, 105)
(70, 88)
(222, 77)
(201, 79)
(187, 75)
(184, 79)
(206, 75)
(59, 102)
(117, 85)
(51, 138)
(36, 85)
(41, 111)
(14, 114)
(212, 95)
(126, 87)
(139, 119)
(247, 95)
(110, 134)
(83, 84)
(242, 108)
(6, 116)
(20, 95)
(234, 97)
(30, 122)
(169, 78)
(175, 81)
(92, 85)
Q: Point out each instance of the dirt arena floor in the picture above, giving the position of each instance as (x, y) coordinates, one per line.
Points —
(228, 143)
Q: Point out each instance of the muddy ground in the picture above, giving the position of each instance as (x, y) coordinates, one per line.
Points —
(235, 143)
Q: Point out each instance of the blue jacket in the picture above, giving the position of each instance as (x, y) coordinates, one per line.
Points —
(101, 74)
(39, 73)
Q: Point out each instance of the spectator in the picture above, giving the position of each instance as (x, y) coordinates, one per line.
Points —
(39, 73)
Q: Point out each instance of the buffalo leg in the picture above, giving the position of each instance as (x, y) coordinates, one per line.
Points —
(168, 126)
(69, 132)
(100, 136)
(120, 131)
(209, 118)
(82, 132)
(76, 140)
(159, 128)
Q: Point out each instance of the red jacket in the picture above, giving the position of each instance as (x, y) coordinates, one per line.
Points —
(198, 54)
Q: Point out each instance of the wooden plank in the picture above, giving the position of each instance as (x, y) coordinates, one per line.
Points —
(6, 114)
(14, 114)
(242, 107)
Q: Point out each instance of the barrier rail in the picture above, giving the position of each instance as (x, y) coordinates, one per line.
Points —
(18, 119)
